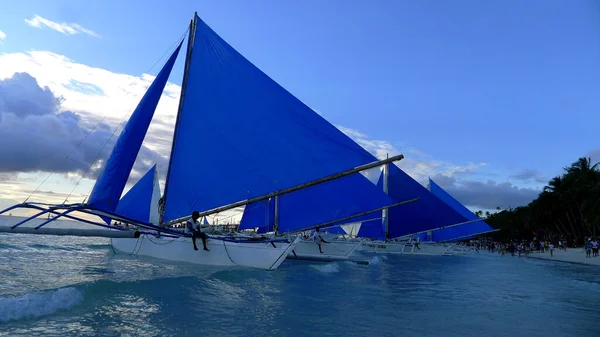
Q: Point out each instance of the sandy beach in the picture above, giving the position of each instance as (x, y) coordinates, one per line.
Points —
(572, 255)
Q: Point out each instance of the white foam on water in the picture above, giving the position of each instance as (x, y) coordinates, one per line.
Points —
(327, 268)
(36, 304)
(376, 260)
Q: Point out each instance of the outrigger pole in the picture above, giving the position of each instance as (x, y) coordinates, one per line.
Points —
(329, 223)
(72, 232)
(291, 189)
(65, 210)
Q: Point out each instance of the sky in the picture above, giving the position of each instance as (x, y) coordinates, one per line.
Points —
(488, 98)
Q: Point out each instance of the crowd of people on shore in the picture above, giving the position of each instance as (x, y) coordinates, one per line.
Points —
(525, 247)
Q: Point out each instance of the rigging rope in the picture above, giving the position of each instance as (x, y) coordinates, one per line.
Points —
(227, 251)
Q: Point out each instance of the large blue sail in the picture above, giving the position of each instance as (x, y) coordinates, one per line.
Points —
(426, 214)
(137, 202)
(111, 182)
(260, 215)
(460, 232)
(256, 137)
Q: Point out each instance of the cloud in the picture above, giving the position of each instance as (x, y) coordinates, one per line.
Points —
(417, 164)
(2, 36)
(530, 175)
(38, 136)
(455, 179)
(65, 28)
(486, 195)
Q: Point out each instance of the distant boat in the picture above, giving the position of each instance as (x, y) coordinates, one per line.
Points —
(425, 228)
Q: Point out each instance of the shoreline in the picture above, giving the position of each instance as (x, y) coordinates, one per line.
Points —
(572, 255)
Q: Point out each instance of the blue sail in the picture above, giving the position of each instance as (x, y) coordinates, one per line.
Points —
(426, 214)
(256, 137)
(260, 215)
(322, 203)
(137, 202)
(330, 201)
(111, 182)
(460, 232)
(372, 229)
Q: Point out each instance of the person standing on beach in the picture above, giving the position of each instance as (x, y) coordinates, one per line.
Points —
(588, 247)
(595, 248)
(551, 246)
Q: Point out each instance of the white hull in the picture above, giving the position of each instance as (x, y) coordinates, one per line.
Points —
(258, 255)
(458, 250)
(336, 250)
(406, 248)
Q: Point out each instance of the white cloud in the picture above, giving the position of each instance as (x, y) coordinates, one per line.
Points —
(63, 27)
(97, 95)
(417, 164)
(94, 92)
(2, 36)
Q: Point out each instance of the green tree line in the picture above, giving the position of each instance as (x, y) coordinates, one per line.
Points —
(568, 208)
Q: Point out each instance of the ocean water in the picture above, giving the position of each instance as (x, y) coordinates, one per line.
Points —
(66, 286)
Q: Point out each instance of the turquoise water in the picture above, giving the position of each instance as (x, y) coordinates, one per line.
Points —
(68, 286)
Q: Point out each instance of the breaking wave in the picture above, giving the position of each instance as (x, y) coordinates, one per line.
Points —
(36, 304)
(327, 268)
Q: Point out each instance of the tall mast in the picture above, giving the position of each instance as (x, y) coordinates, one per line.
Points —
(276, 220)
(188, 60)
(384, 215)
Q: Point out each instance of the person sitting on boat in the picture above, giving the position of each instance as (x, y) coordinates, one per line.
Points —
(194, 227)
(318, 239)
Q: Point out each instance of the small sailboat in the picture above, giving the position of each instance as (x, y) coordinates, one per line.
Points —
(303, 213)
(220, 89)
(404, 231)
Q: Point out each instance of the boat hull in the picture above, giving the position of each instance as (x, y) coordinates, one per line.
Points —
(260, 255)
(406, 248)
(336, 250)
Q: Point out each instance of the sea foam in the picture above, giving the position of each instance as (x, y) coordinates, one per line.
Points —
(36, 304)
(327, 268)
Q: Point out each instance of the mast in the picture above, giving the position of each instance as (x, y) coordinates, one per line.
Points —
(384, 214)
(188, 60)
(276, 222)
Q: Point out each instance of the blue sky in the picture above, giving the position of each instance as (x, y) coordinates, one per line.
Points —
(512, 84)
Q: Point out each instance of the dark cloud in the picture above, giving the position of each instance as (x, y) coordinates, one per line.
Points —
(486, 195)
(530, 174)
(36, 136)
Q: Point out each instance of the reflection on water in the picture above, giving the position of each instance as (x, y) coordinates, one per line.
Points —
(76, 286)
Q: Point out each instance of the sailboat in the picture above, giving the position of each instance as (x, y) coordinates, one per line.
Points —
(279, 148)
(306, 247)
(324, 208)
(475, 226)
(401, 230)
